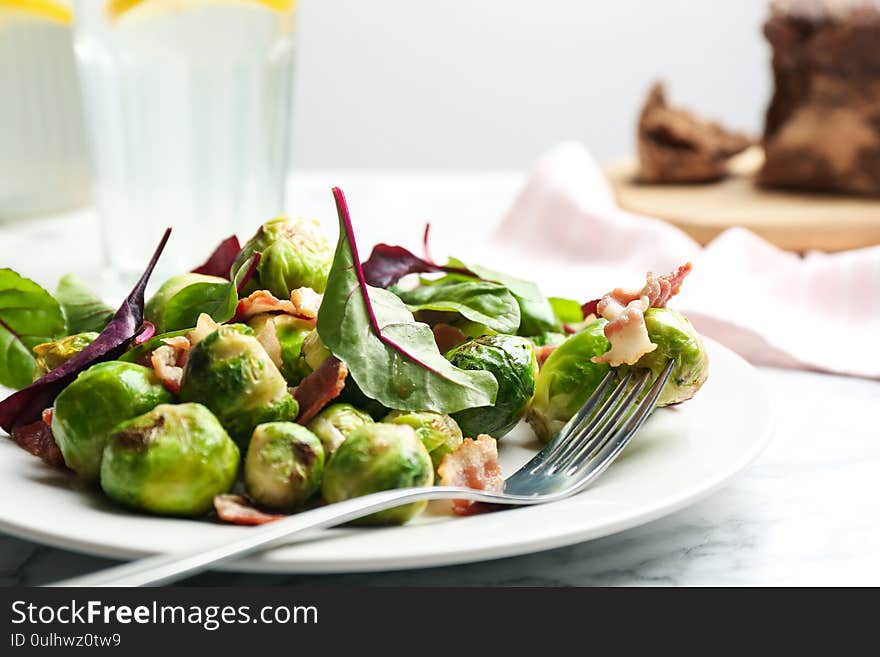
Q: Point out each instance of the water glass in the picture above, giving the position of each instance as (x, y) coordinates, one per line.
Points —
(187, 108)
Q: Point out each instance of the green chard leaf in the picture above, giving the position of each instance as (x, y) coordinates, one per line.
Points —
(489, 304)
(28, 316)
(567, 311)
(536, 314)
(392, 358)
(83, 309)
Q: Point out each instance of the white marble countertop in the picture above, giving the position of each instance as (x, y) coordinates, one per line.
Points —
(804, 514)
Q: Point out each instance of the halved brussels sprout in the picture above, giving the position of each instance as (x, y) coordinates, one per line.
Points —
(180, 300)
(333, 425)
(439, 433)
(284, 465)
(377, 457)
(512, 361)
(295, 253)
(54, 354)
(287, 334)
(172, 460)
(313, 351)
(567, 379)
(675, 338)
(98, 399)
(231, 374)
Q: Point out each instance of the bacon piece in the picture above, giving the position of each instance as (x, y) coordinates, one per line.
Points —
(306, 302)
(447, 337)
(320, 388)
(205, 326)
(239, 510)
(303, 304)
(473, 464)
(268, 337)
(169, 360)
(37, 439)
(625, 312)
(543, 353)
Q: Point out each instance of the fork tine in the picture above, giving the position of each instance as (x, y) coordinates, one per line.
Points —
(574, 426)
(591, 442)
(606, 456)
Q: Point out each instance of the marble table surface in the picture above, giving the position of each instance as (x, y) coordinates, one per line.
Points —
(805, 513)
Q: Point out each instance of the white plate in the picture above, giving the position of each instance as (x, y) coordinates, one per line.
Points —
(681, 455)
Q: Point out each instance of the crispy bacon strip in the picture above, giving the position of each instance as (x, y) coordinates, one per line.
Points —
(543, 353)
(625, 312)
(239, 510)
(205, 326)
(303, 304)
(169, 360)
(37, 439)
(447, 337)
(474, 464)
(320, 388)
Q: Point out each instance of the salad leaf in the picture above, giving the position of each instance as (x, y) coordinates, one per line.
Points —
(392, 358)
(27, 405)
(535, 311)
(83, 309)
(28, 316)
(220, 261)
(567, 311)
(387, 264)
(485, 303)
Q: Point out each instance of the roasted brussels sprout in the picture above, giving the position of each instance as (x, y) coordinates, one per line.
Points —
(513, 363)
(333, 424)
(54, 354)
(377, 457)
(284, 465)
(171, 460)
(567, 379)
(675, 338)
(549, 339)
(295, 253)
(230, 373)
(313, 351)
(439, 433)
(180, 300)
(88, 409)
(287, 334)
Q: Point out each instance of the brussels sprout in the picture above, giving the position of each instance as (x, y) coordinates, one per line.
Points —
(567, 379)
(313, 351)
(439, 433)
(288, 335)
(172, 460)
(98, 399)
(549, 338)
(333, 424)
(180, 300)
(283, 466)
(54, 354)
(513, 362)
(675, 338)
(230, 373)
(295, 253)
(377, 457)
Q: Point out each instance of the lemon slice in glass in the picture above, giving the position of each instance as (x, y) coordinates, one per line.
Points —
(55, 11)
(118, 9)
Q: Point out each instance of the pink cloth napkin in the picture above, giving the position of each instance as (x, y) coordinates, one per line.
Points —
(820, 311)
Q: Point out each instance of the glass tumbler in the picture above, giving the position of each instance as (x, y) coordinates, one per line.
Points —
(44, 166)
(187, 107)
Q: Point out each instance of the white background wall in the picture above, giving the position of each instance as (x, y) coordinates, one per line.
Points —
(476, 84)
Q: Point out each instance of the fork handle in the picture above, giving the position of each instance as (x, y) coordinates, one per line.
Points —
(164, 568)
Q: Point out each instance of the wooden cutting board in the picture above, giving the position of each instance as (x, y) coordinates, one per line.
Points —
(791, 220)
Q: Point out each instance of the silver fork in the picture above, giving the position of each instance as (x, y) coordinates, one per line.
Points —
(581, 451)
